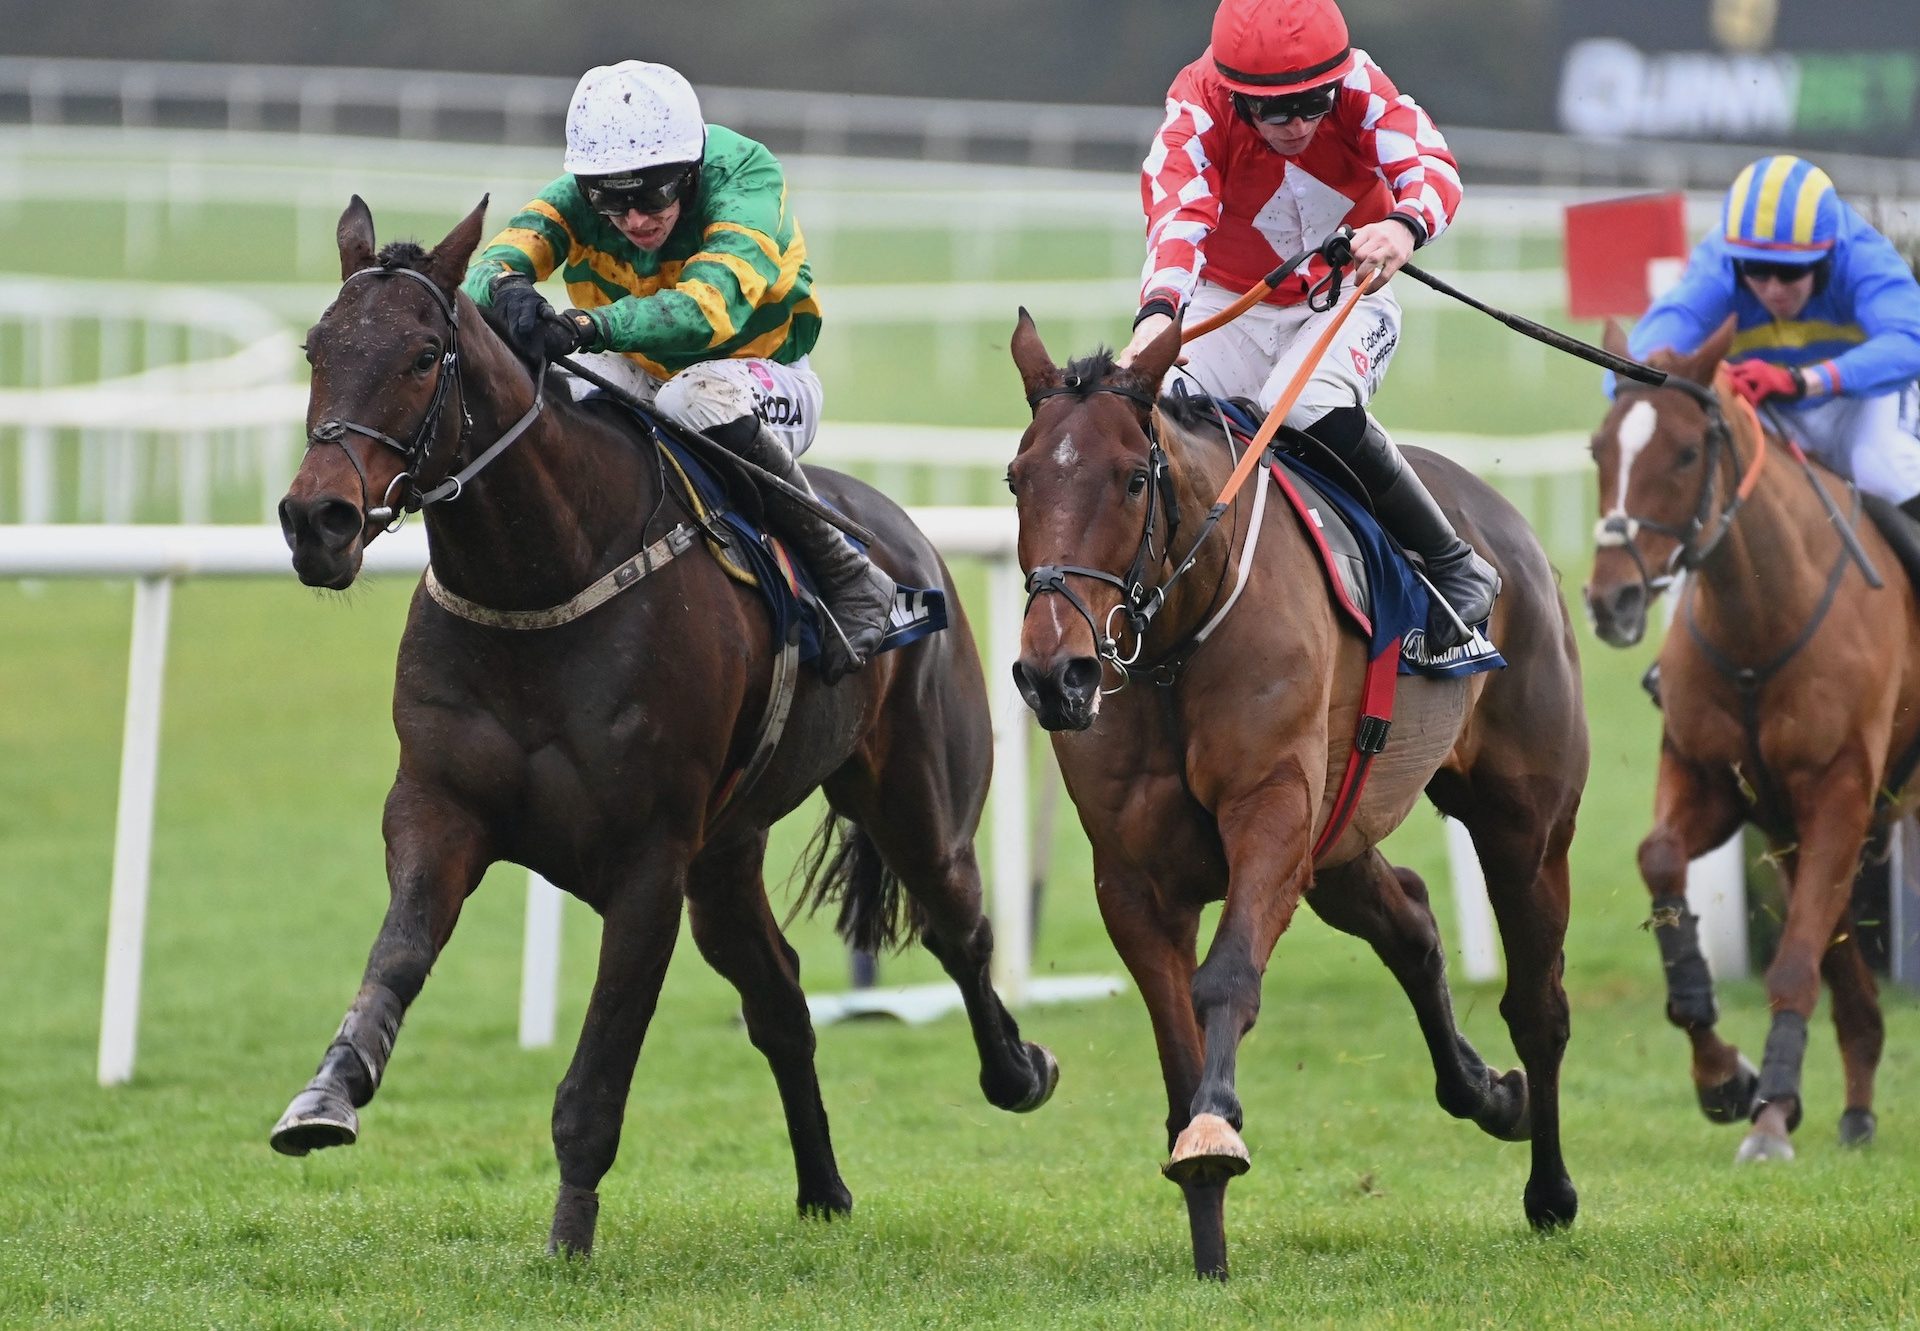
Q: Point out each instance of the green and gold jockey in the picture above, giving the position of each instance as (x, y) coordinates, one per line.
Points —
(691, 289)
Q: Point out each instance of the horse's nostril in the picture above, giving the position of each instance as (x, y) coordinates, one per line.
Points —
(337, 522)
(1080, 677)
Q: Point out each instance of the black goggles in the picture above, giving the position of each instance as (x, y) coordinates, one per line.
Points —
(651, 191)
(1310, 105)
(1761, 269)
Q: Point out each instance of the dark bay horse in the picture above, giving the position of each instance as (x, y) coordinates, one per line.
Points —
(599, 751)
(1214, 780)
(1791, 693)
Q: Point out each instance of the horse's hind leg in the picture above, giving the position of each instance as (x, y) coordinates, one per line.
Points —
(917, 801)
(1521, 834)
(1861, 1031)
(736, 932)
(435, 857)
(1387, 908)
(1693, 813)
(639, 923)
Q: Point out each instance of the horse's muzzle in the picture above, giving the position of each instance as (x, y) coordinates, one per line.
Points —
(323, 532)
(1619, 613)
(1064, 696)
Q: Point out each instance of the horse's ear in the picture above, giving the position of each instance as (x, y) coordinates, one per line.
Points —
(447, 265)
(1614, 338)
(355, 236)
(1037, 370)
(1157, 357)
(1700, 366)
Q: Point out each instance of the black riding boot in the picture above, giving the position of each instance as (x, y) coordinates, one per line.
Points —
(1400, 500)
(1911, 508)
(858, 595)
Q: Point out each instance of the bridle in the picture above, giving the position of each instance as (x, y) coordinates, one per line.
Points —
(419, 444)
(1138, 602)
(1703, 531)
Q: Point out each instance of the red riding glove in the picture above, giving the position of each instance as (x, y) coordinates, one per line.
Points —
(1758, 380)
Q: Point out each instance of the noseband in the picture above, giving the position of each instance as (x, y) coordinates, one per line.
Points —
(414, 451)
(1138, 602)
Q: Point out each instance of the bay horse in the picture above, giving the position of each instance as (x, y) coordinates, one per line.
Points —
(1791, 700)
(599, 750)
(1212, 776)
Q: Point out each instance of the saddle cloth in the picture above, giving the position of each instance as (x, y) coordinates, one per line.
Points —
(1370, 578)
(757, 558)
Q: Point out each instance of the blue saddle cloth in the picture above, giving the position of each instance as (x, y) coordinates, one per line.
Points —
(780, 578)
(1398, 602)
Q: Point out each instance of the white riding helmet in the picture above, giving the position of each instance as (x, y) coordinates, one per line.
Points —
(630, 116)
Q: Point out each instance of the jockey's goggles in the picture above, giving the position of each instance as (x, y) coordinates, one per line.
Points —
(1761, 269)
(653, 190)
(1309, 105)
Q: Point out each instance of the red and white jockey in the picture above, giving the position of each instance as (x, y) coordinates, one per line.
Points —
(1280, 132)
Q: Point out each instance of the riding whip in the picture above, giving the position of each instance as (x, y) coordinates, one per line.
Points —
(694, 439)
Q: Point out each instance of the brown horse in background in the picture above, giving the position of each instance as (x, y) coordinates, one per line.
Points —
(601, 751)
(1791, 698)
(1212, 777)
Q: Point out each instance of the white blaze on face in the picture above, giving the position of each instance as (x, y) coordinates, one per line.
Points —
(1636, 429)
(1064, 453)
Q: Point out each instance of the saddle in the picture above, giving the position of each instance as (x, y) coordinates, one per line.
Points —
(1369, 577)
(737, 536)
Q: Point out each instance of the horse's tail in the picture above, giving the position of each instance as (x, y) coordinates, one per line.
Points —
(842, 864)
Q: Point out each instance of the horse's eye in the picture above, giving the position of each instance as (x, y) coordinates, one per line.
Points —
(1136, 482)
(1687, 456)
(424, 361)
(1010, 486)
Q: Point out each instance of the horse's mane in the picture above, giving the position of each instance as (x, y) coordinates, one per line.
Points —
(403, 254)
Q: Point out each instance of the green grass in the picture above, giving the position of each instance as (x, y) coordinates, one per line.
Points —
(159, 1204)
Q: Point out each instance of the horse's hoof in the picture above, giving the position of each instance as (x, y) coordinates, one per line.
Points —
(1208, 1151)
(575, 1214)
(1507, 1115)
(1857, 1127)
(1048, 1068)
(834, 1203)
(1732, 1100)
(319, 1116)
(1551, 1207)
(1760, 1145)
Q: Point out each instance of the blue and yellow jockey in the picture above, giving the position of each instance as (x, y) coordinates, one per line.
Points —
(1828, 322)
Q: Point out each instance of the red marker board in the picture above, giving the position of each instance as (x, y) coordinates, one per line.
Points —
(1618, 250)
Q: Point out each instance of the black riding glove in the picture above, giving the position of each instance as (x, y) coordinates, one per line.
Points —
(524, 315)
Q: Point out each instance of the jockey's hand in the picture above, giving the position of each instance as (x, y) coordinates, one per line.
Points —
(571, 331)
(1386, 245)
(1143, 334)
(524, 314)
(1759, 380)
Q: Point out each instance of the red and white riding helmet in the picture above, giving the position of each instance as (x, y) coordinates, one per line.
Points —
(1268, 48)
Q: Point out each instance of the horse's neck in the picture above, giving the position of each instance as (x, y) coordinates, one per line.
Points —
(558, 508)
(1770, 572)
(1201, 465)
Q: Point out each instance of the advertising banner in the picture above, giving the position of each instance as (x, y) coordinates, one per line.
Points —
(1779, 73)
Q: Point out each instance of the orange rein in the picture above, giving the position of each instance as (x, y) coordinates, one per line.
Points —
(1752, 477)
(1271, 426)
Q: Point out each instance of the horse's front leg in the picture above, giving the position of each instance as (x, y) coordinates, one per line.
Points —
(1692, 813)
(1831, 810)
(637, 932)
(1265, 836)
(1156, 943)
(436, 854)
